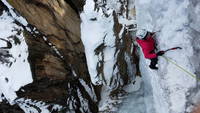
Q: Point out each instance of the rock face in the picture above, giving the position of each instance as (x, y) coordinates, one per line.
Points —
(60, 24)
(58, 63)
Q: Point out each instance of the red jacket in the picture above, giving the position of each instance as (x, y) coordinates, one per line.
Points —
(148, 46)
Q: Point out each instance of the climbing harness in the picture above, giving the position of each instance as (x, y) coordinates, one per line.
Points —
(181, 68)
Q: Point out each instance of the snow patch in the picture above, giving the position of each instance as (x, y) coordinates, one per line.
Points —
(93, 34)
(29, 106)
(16, 72)
(14, 15)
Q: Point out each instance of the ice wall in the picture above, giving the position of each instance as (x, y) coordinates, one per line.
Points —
(177, 21)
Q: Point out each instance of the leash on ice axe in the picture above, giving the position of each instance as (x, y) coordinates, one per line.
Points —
(180, 67)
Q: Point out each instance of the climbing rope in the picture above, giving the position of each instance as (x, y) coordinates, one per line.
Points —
(181, 68)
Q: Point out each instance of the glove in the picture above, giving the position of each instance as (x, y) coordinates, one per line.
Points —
(160, 53)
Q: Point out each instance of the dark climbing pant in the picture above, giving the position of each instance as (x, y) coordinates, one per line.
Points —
(153, 63)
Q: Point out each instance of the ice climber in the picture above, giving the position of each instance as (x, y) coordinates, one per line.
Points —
(147, 43)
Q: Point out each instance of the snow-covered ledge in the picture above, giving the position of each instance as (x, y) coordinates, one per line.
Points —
(171, 86)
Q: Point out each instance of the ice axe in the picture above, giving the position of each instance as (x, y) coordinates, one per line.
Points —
(174, 48)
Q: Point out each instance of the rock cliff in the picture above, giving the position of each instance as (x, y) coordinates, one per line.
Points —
(61, 80)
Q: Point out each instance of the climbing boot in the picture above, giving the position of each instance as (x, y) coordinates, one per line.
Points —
(153, 67)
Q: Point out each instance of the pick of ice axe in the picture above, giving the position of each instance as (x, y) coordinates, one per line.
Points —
(174, 48)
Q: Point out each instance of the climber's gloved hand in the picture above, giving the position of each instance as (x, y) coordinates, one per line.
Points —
(160, 53)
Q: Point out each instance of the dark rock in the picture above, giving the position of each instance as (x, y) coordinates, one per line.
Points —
(7, 108)
(2, 8)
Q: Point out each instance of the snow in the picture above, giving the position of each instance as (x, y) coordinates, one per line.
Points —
(3, 44)
(87, 35)
(134, 103)
(107, 104)
(93, 34)
(14, 15)
(89, 90)
(97, 29)
(126, 21)
(84, 103)
(30, 106)
(16, 73)
(109, 63)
